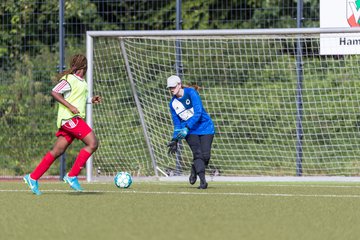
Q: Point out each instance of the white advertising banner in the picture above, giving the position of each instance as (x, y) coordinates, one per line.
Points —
(339, 14)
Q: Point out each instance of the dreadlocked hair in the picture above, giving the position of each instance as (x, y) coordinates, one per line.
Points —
(77, 62)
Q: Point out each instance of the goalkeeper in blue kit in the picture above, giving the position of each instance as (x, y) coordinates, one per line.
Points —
(192, 123)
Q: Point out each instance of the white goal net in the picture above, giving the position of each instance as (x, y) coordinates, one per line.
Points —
(279, 107)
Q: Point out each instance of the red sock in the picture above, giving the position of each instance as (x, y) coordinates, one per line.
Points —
(43, 166)
(79, 163)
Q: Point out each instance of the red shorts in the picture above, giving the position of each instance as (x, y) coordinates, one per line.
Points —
(77, 128)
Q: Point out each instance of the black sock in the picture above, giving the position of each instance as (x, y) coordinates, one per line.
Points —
(202, 177)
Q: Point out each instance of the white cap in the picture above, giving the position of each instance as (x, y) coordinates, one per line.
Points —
(173, 81)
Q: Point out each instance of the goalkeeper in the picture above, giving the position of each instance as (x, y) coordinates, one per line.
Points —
(192, 123)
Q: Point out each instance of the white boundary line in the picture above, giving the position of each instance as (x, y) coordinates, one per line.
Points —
(185, 178)
(199, 193)
(239, 179)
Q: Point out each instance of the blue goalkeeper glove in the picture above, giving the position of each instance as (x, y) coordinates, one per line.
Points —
(183, 132)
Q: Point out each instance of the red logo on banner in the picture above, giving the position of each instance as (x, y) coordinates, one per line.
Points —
(353, 12)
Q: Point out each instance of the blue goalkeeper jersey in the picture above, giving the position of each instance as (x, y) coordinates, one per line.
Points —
(189, 112)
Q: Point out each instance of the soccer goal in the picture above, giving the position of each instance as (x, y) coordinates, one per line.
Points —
(279, 106)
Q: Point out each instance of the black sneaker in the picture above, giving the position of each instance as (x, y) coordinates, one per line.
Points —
(193, 177)
(203, 185)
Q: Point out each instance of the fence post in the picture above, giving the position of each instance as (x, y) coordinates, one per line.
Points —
(179, 72)
(60, 69)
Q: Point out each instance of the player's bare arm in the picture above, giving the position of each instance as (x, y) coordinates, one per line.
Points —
(60, 98)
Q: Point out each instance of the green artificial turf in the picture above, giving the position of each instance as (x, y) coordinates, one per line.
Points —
(177, 210)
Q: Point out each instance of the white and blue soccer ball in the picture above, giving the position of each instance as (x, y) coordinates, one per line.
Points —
(123, 180)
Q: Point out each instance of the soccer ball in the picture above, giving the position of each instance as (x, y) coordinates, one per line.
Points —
(123, 180)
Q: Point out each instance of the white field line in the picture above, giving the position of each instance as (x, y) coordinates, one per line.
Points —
(322, 185)
(200, 193)
(219, 184)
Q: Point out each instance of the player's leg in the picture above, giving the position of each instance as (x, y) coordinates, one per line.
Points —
(206, 142)
(193, 175)
(59, 147)
(91, 145)
(195, 146)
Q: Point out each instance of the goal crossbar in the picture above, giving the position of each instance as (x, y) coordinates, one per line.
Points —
(220, 32)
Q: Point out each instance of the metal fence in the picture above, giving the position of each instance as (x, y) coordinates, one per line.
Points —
(30, 53)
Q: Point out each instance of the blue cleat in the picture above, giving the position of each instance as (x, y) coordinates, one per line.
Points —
(73, 182)
(33, 184)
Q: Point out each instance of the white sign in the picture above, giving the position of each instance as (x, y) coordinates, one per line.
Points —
(339, 13)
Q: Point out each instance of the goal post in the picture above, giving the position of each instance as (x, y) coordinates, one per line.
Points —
(278, 110)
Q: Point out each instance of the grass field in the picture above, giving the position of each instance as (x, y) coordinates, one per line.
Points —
(176, 210)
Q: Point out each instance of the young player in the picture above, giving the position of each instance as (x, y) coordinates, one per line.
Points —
(71, 93)
(192, 123)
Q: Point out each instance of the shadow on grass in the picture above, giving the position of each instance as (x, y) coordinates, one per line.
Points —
(84, 193)
(193, 187)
